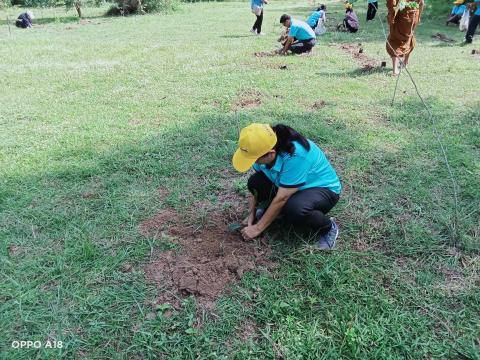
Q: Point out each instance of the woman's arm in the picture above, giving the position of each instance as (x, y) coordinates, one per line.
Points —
(272, 212)
(289, 42)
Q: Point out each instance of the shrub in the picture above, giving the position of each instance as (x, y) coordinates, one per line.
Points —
(126, 7)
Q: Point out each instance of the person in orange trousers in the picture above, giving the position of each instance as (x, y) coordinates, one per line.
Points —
(403, 17)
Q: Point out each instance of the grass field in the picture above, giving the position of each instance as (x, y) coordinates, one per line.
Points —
(97, 118)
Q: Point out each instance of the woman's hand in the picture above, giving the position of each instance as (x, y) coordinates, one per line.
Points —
(250, 232)
(249, 220)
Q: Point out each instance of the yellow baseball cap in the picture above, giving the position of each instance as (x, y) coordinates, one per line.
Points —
(458, 2)
(255, 141)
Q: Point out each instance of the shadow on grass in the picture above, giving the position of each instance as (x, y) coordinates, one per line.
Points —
(84, 212)
(53, 20)
(236, 36)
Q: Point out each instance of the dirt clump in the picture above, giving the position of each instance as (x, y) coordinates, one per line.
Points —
(248, 99)
(208, 259)
(356, 51)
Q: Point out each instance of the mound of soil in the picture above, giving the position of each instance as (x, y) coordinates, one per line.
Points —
(248, 99)
(207, 261)
(266, 53)
(442, 37)
(366, 62)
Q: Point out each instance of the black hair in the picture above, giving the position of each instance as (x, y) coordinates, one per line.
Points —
(322, 7)
(285, 137)
(284, 18)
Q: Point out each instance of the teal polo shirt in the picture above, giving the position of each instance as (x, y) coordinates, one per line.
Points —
(314, 17)
(301, 30)
(304, 169)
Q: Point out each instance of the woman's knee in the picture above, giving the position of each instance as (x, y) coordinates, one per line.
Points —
(254, 182)
(295, 211)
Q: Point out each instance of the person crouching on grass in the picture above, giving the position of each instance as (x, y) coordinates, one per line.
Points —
(301, 37)
(293, 174)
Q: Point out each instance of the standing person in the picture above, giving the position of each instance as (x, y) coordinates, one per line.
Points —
(257, 9)
(24, 20)
(294, 175)
(457, 12)
(316, 16)
(402, 17)
(301, 38)
(474, 21)
(372, 9)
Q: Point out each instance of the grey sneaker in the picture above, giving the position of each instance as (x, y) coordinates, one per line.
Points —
(259, 213)
(328, 240)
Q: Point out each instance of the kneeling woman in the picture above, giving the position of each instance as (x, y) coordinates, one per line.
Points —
(294, 174)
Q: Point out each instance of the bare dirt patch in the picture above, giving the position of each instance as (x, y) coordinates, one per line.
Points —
(247, 99)
(317, 105)
(462, 280)
(266, 53)
(247, 330)
(442, 37)
(366, 62)
(209, 257)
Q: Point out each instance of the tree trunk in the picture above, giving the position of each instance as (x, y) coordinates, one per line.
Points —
(79, 10)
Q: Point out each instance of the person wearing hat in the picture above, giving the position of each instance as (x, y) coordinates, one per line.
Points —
(350, 23)
(293, 175)
(457, 12)
(301, 37)
(474, 21)
(24, 20)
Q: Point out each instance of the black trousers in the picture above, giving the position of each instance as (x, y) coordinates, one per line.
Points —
(348, 27)
(302, 46)
(257, 26)
(305, 209)
(372, 10)
(472, 26)
(454, 19)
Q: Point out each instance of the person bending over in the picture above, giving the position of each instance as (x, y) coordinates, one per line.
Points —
(317, 15)
(301, 38)
(24, 20)
(293, 175)
(457, 12)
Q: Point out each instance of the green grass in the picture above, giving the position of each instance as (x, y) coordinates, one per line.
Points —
(96, 118)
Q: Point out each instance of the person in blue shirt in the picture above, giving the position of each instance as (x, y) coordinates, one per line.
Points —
(474, 21)
(257, 9)
(301, 38)
(316, 16)
(372, 9)
(457, 12)
(293, 176)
